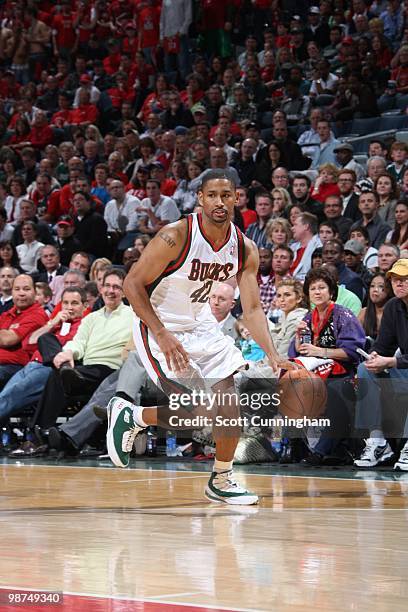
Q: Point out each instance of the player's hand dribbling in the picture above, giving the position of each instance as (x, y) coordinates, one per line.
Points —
(176, 357)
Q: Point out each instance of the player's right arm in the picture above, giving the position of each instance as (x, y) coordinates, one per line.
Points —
(161, 250)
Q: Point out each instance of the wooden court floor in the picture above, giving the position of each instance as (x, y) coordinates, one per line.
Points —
(147, 539)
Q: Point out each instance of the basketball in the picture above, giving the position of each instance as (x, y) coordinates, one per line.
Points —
(302, 394)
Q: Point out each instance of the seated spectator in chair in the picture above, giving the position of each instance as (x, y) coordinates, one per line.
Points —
(386, 371)
(336, 334)
(26, 386)
(7, 276)
(333, 252)
(16, 327)
(92, 355)
(345, 298)
(379, 293)
(263, 207)
(29, 251)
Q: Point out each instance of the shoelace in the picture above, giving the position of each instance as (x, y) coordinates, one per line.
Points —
(368, 448)
(129, 437)
(226, 480)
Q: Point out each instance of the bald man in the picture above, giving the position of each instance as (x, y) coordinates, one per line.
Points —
(222, 301)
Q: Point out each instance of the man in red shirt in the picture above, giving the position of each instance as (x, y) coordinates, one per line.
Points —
(86, 112)
(16, 327)
(40, 134)
(26, 386)
(63, 31)
(148, 25)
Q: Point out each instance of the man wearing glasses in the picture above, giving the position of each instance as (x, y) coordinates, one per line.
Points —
(385, 374)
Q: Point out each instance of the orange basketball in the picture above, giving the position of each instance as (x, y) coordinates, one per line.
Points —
(302, 394)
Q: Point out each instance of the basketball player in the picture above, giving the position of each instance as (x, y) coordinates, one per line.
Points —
(168, 289)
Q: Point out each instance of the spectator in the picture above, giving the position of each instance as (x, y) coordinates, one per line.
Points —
(222, 302)
(278, 232)
(325, 153)
(29, 251)
(387, 255)
(244, 164)
(346, 182)
(370, 406)
(6, 229)
(344, 157)
(26, 386)
(98, 344)
(399, 236)
(386, 188)
(333, 211)
(306, 241)
(328, 230)
(336, 334)
(90, 227)
(360, 233)
(16, 327)
(292, 156)
(120, 213)
(17, 189)
(7, 276)
(379, 293)
(368, 204)
(399, 156)
(248, 215)
(353, 258)
(266, 282)
(345, 297)
(309, 140)
(290, 301)
(28, 213)
(326, 183)
(263, 207)
(333, 252)
(50, 260)
(156, 210)
(301, 185)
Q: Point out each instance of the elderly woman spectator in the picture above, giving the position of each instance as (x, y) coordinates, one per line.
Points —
(331, 334)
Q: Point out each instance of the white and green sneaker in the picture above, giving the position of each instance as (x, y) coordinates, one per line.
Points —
(222, 487)
(122, 431)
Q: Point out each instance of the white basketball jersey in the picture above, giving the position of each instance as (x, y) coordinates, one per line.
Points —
(180, 295)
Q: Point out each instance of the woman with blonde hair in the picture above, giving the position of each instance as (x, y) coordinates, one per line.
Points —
(278, 232)
(290, 300)
(281, 201)
(99, 263)
(326, 183)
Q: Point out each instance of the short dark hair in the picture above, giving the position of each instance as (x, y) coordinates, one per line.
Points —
(324, 275)
(119, 272)
(218, 173)
(284, 247)
(310, 220)
(79, 290)
(338, 243)
(302, 177)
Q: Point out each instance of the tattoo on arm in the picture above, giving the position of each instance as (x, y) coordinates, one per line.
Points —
(167, 239)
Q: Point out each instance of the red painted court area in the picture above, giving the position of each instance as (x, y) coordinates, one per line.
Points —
(82, 603)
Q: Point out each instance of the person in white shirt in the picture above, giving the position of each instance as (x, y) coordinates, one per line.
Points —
(121, 211)
(29, 251)
(324, 87)
(156, 210)
(311, 137)
(6, 229)
(12, 203)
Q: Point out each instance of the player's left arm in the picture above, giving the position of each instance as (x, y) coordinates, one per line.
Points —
(254, 316)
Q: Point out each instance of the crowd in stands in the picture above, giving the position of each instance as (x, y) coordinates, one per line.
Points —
(111, 113)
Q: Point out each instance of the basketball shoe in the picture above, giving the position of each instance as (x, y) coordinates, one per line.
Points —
(222, 487)
(374, 453)
(122, 431)
(402, 463)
